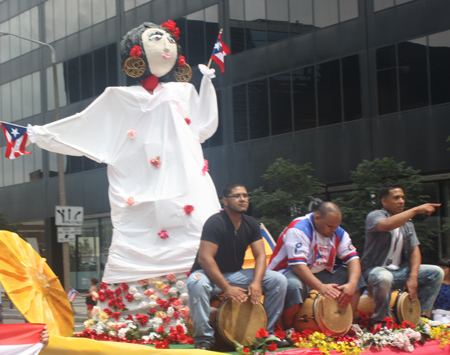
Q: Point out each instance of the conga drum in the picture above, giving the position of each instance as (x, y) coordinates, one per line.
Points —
(320, 314)
(234, 321)
(400, 308)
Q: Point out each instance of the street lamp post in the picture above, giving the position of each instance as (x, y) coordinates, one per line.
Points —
(61, 177)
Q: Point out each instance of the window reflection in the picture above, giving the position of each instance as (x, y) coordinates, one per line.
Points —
(72, 14)
(255, 17)
(237, 26)
(240, 113)
(300, 16)
(325, 13)
(348, 9)
(351, 85)
(258, 109)
(304, 98)
(280, 104)
(439, 52)
(85, 14)
(387, 80)
(61, 87)
(6, 107)
(19, 171)
(329, 92)
(277, 20)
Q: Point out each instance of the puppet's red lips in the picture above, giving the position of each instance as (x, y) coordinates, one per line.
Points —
(167, 56)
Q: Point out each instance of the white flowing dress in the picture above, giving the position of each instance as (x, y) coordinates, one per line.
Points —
(104, 132)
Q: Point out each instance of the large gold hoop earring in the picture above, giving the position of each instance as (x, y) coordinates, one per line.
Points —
(134, 67)
(183, 74)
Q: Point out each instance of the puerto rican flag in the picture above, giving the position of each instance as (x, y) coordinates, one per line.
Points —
(219, 52)
(17, 138)
(72, 294)
(21, 338)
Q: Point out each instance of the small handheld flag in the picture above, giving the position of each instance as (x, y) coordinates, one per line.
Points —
(72, 294)
(17, 138)
(219, 52)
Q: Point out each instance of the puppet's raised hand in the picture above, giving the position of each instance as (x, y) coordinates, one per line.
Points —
(209, 72)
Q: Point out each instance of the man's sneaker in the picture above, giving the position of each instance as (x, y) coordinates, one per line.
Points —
(203, 345)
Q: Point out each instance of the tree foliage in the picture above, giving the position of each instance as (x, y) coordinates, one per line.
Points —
(368, 178)
(6, 225)
(285, 194)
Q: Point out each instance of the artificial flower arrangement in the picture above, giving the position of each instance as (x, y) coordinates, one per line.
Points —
(402, 336)
(262, 340)
(160, 318)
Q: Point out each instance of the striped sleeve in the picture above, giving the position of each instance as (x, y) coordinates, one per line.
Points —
(345, 250)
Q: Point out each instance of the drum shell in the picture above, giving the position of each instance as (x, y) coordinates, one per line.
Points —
(322, 315)
(400, 307)
(234, 321)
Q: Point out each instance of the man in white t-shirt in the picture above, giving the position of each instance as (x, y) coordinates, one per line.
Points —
(306, 252)
(392, 258)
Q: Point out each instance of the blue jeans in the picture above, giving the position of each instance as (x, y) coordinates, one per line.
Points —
(201, 289)
(383, 281)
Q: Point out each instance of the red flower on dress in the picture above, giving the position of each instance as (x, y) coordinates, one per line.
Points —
(156, 162)
(160, 329)
(162, 344)
(172, 27)
(181, 61)
(153, 310)
(171, 277)
(163, 234)
(188, 209)
(124, 287)
(130, 200)
(130, 317)
(103, 286)
(131, 133)
(188, 121)
(136, 51)
(129, 297)
(273, 347)
(262, 333)
(118, 291)
(165, 290)
(205, 167)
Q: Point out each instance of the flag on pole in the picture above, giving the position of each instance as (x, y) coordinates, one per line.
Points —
(16, 137)
(72, 294)
(21, 338)
(219, 52)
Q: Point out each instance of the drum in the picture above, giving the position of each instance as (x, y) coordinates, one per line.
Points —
(234, 321)
(320, 314)
(400, 308)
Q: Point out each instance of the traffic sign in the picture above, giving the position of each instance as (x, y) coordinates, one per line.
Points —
(69, 215)
(66, 234)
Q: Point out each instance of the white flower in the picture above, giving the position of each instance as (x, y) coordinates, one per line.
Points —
(122, 332)
(143, 304)
(145, 337)
(410, 348)
(96, 311)
(170, 311)
(132, 290)
(184, 297)
(112, 333)
(153, 297)
(157, 321)
(153, 304)
(427, 328)
(173, 291)
(111, 325)
(99, 329)
(132, 326)
(137, 296)
(180, 284)
(154, 335)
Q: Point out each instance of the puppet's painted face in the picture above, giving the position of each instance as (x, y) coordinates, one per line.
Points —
(161, 51)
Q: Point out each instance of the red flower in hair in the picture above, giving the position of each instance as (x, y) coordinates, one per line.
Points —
(181, 60)
(172, 27)
(136, 51)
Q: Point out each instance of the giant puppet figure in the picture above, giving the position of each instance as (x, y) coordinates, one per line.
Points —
(149, 136)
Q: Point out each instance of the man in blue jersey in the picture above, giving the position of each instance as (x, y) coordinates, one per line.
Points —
(306, 252)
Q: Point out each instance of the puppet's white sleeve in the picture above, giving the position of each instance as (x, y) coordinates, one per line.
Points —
(90, 133)
(205, 117)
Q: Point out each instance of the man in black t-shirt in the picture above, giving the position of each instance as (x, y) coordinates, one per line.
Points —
(218, 266)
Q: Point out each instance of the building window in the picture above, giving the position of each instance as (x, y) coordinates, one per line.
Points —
(384, 4)
(351, 88)
(439, 53)
(387, 80)
(240, 113)
(328, 80)
(304, 98)
(280, 104)
(258, 109)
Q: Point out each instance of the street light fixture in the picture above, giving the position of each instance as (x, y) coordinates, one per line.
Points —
(61, 177)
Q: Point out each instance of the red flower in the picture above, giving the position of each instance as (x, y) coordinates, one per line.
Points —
(161, 344)
(279, 332)
(117, 315)
(190, 341)
(112, 303)
(273, 347)
(108, 312)
(262, 333)
(389, 322)
(205, 167)
(176, 314)
(153, 310)
(129, 297)
(124, 287)
(171, 277)
(121, 305)
(101, 298)
(160, 329)
(181, 61)
(171, 26)
(166, 320)
(136, 51)
(130, 317)
(118, 291)
(180, 328)
(103, 286)
(246, 351)
(163, 234)
(156, 162)
(407, 324)
(143, 319)
(182, 338)
(188, 209)
(188, 121)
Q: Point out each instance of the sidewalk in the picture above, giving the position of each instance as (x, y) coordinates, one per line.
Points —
(12, 315)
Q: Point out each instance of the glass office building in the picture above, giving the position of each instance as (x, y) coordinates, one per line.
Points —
(330, 82)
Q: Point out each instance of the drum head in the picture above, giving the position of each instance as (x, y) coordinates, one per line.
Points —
(407, 309)
(331, 318)
(240, 321)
